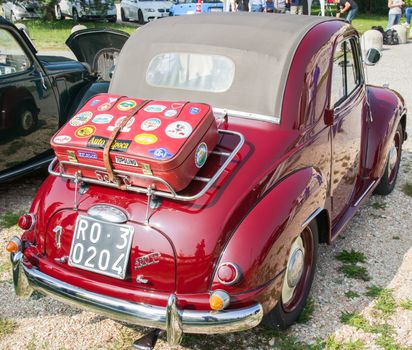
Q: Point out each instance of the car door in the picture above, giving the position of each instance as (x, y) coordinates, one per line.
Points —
(28, 107)
(65, 7)
(347, 102)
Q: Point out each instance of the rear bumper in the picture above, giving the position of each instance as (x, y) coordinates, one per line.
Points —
(169, 318)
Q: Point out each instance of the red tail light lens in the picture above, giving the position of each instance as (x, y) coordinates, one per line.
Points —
(26, 222)
(228, 273)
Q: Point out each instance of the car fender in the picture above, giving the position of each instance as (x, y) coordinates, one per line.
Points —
(260, 245)
(386, 110)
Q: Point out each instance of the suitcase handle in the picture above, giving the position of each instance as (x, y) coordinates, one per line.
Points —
(106, 151)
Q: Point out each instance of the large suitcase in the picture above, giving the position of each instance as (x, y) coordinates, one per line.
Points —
(170, 140)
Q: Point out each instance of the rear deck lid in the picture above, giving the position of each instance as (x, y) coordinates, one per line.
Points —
(99, 48)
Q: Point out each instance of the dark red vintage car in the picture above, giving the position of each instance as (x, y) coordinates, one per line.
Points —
(303, 142)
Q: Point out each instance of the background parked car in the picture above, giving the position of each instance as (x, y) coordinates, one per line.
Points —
(86, 9)
(190, 7)
(38, 93)
(17, 10)
(144, 10)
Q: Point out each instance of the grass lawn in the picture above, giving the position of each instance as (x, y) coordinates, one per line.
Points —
(51, 35)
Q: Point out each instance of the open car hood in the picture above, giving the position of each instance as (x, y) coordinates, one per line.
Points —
(99, 48)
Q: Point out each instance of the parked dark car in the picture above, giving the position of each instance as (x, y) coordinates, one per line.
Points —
(38, 93)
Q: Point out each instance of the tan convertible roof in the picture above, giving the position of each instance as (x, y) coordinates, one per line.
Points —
(261, 46)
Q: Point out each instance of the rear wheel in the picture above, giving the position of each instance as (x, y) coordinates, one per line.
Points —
(300, 270)
(123, 16)
(388, 180)
(140, 17)
(26, 118)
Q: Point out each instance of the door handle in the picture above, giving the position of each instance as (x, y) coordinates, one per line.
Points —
(43, 82)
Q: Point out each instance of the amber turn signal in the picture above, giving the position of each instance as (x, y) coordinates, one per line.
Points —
(219, 300)
(14, 245)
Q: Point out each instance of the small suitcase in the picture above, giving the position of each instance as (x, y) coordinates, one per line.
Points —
(170, 140)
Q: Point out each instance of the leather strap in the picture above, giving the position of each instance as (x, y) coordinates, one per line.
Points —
(106, 151)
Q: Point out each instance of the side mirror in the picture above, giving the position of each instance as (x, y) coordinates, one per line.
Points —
(372, 57)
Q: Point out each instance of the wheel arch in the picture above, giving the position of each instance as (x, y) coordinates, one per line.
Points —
(387, 111)
(260, 244)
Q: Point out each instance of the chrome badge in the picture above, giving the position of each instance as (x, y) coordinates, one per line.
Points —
(107, 213)
(146, 260)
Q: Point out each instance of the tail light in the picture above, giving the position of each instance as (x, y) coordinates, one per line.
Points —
(228, 273)
(26, 222)
(219, 300)
(14, 245)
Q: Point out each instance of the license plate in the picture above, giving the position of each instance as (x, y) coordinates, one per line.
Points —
(101, 247)
(216, 9)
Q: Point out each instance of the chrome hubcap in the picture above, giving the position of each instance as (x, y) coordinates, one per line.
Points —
(294, 269)
(393, 157)
(27, 120)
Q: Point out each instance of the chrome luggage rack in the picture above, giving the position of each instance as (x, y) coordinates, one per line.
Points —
(150, 191)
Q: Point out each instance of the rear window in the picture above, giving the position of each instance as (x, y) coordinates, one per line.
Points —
(190, 71)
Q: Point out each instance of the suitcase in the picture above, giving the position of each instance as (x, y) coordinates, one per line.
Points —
(170, 140)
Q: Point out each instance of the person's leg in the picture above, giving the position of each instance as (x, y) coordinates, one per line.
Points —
(351, 15)
(397, 19)
(408, 13)
(300, 10)
(391, 21)
(256, 8)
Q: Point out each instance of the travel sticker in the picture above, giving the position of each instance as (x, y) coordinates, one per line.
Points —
(100, 142)
(102, 119)
(85, 131)
(126, 105)
(71, 155)
(126, 128)
(87, 154)
(177, 105)
(145, 139)
(201, 155)
(104, 107)
(179, 130)
(150, 124)
(94, 103)
(81, 118)
(160, 153)
(155, 108)
(125, 161)
(170, 113)
(62, 139)
(194, 110)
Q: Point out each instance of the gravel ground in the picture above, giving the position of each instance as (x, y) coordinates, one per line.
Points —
(381, 230)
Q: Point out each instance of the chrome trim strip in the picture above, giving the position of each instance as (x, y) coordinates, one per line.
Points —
(248, 115)
(170, 318)
(26, 168)
(171, 194)
(311, 217)
(360, 199)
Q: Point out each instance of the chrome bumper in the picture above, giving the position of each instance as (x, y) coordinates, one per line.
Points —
(169, 318)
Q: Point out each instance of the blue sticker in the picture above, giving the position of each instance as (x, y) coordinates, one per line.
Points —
(160, 153)
(94, 103)
(102, 119)
(194, 110)
(87, 154)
